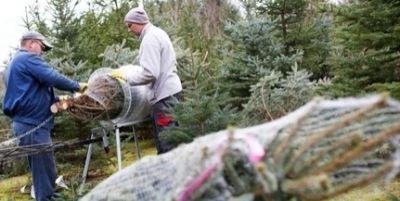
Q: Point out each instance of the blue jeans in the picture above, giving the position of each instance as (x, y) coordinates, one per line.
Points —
(42, 165)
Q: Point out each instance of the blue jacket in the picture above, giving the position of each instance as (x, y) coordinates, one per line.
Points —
(29, 92)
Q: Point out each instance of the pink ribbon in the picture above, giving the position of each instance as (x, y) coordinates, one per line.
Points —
(256, 153)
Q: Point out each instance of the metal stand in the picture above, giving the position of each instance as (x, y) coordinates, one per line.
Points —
(118, 141)
(86, 167)
(137, 145)
(96, 132)
(102, 132)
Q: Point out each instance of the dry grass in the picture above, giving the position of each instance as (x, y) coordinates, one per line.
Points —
(9, 188)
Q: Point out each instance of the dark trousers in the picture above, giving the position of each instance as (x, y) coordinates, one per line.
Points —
(42, 165)
(163, 119)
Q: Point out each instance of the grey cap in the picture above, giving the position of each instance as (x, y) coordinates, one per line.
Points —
(137, 15)
(33, 35)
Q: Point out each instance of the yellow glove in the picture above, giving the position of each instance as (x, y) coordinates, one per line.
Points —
(64, 97)
(118, 74)
(82, 87)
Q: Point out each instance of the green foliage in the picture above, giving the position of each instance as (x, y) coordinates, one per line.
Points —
(204, 108)
(5, 122)
(371, 24)
(64, 23)
(250, 49)
(369, 39)
(117, 55)
(198, 24)
(303, 26)
(200, 115)
(67, 64)
(227, 60)
(312, 37)
(275, 95)
(392, 197)
(102, 29)
(67, 127)
(87, 33)
(235, 71)
(289, 11)
(15, 167)
(393, 89)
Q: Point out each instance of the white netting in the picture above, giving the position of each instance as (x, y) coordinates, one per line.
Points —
(325, 148)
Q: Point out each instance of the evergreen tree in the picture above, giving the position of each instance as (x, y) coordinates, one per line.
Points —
(250, 48)
(88, 33)
(101, 26)
(67, 127)
(369, 38)
(303, 26)
(197, 23)
(118, 55)
(204, 108)
(275, 95)
(195, 27)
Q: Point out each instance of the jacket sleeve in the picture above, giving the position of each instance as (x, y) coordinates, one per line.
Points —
(45, 74)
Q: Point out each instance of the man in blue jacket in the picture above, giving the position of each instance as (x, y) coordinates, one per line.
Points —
(29, 94)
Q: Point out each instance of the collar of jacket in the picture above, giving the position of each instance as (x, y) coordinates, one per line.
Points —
(145, 28)
(23, 50)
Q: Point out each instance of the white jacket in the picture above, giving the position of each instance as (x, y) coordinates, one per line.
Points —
(158, 60)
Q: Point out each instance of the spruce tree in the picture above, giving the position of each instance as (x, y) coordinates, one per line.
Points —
(204, 108)
(368, 55)
(250, 48)
(303, 25)
(275, 95)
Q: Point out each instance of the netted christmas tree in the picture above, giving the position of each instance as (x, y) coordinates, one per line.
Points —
(323, 149)
(109, 99)
(103, 100)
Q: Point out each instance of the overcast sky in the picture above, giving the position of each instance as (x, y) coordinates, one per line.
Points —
(11, 15)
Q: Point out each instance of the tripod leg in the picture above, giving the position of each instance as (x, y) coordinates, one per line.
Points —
(118, 140)
(86, 168)
(137, 145)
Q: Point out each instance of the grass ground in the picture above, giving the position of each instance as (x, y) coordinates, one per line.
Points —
(102, 165)
(70, 165)
(373, 192)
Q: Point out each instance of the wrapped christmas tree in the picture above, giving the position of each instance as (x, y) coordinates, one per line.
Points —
(109, 99)
(321, 150)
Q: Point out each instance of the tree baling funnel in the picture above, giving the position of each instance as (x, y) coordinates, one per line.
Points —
(110, 101)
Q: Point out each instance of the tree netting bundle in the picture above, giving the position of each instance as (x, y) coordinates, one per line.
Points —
(323, 149)
(103, 100)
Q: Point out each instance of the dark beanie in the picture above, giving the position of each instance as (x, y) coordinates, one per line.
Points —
(137, 15)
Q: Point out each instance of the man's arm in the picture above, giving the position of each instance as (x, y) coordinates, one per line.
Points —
(50, 77)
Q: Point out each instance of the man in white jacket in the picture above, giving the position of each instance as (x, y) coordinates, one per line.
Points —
(158, 60)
